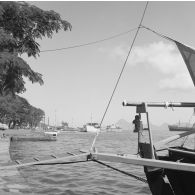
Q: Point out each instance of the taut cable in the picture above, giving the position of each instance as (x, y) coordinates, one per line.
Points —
(140, 24)
(157, 33)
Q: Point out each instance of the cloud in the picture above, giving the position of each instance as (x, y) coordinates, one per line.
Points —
(179, 81)
(161, 56)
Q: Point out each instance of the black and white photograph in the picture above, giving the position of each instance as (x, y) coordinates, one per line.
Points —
(97, 98)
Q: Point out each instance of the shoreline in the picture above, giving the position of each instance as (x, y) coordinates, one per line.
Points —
(12, 132)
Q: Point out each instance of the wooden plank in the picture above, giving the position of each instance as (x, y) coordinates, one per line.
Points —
(83, 151)
(26, 161)
(53, 156)
(35, 158)
(70, 153)
(17, 161)
(54, 160)
(133, 159)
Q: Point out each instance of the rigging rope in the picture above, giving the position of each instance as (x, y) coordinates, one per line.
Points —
(159, 34)
(90, 43)
(83, 161)
(140, 24)
(124, 172)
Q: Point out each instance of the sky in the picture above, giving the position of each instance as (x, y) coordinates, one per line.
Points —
(78, 82)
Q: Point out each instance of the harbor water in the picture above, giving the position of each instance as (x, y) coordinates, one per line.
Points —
(75, 179)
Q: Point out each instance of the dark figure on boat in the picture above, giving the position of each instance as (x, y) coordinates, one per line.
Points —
(138, 124)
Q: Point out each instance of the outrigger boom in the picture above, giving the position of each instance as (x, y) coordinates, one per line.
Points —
(160, 104)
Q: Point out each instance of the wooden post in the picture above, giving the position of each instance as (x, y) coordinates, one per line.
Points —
(138, 150)
(142, 108)
(194, 142)
(150, 137)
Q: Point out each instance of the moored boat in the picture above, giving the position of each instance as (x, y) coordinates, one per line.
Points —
(180, 128)
(113, 127)
(92, 127)
(44, 136)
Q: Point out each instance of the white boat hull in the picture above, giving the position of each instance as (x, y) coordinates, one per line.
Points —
(92, 129)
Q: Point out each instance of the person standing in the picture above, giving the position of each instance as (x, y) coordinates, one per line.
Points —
(137, 124)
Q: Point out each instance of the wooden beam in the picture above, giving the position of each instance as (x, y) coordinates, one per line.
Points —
(70, 153)
(17, 161)
(133, 159)
(172, 138)
(83, 151)
(35, 158)
(53, 156)
(160, 104)
(56, 160)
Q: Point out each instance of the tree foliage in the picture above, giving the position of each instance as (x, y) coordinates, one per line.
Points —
(17, 111)
(21, 24)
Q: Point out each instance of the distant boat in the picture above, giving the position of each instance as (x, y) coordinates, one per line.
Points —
(82, 129)
(113, 127)
(45, 136)
(51, 134)
(181, 128)
(92, 127)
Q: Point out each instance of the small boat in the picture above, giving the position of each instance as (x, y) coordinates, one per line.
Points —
(113, 127)
(45, 136)
(51, 135)
(181, 128)
(92, 127)
(82, 129)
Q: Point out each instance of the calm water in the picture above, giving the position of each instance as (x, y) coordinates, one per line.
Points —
(75, 179)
